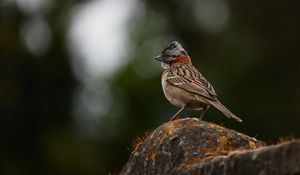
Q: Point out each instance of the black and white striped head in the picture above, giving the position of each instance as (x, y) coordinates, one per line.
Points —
(170, 53)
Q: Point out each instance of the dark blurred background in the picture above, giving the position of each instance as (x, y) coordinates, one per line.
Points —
(78, 82)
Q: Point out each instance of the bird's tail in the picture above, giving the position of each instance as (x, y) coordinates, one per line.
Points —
(224, 110)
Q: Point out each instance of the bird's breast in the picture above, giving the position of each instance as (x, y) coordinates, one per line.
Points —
(177, 96)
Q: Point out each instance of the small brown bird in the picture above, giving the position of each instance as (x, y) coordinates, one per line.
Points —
(184, 86)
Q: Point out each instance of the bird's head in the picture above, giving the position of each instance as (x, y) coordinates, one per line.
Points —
(173, 53)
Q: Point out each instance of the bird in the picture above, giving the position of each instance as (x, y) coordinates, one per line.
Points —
(184, 86)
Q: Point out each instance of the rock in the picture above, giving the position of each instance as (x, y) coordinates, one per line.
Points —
(190, 146)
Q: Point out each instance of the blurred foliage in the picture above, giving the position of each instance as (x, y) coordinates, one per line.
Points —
(252, 60)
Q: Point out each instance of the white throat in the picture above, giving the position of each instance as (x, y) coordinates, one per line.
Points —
(164, 65)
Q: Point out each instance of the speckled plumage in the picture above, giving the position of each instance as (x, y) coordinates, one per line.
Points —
(184, 86)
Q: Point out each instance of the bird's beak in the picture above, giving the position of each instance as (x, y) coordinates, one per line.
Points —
(158, 58)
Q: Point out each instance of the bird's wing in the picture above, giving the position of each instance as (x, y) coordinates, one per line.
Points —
(190, 79)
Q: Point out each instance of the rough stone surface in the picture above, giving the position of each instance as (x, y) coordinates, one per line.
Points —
(282, 159)
(190, 146)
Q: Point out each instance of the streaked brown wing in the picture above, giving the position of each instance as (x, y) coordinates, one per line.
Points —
(189, 78)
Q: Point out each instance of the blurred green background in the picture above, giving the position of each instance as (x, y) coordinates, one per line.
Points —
(78, 81)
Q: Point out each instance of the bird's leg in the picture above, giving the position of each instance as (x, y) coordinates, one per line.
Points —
(203, 112)
(175, 115)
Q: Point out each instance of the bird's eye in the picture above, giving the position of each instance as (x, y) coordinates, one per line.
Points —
(170, 59)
